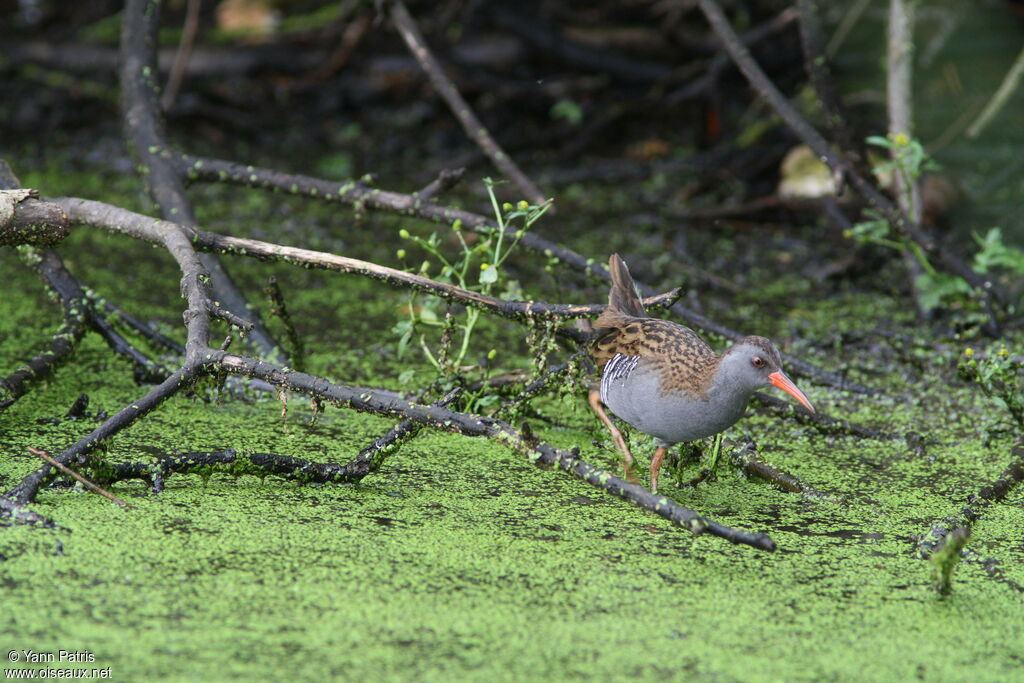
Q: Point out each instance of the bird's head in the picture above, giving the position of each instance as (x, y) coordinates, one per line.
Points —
(754, 363)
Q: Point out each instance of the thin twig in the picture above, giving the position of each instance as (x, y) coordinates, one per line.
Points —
(445, 180)
(410, 32)
(1008, 87)
(849, 20)
(279, 309)
(188, 37)
(77, 477)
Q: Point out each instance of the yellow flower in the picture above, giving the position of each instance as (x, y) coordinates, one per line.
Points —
(969, 352)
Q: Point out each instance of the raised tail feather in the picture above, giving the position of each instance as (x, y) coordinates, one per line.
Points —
(623, 299)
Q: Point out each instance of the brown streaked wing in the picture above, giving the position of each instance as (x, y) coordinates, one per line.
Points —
(677, 353)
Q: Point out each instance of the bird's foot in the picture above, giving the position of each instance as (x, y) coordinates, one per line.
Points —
(629, 474)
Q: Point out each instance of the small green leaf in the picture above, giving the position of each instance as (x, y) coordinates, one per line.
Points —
(489, 275)
(568, 110)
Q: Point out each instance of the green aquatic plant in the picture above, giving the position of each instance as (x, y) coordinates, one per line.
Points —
(946, 558)
(909, 160)
(998, 375)
(476, 265)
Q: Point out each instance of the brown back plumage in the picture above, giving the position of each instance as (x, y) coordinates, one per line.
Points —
(682, 358)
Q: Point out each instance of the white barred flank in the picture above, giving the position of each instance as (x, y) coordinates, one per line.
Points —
(618, 367)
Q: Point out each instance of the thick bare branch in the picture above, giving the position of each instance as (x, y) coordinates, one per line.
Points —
(144, 128)
(26, 220)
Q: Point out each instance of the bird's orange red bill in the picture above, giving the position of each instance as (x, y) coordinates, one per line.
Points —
(779, 379)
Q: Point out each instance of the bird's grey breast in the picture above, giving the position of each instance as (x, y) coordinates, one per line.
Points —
(632, 389)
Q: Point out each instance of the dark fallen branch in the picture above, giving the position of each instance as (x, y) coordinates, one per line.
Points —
(144, 128)
(977, 503)
(231, 462)
(357, 194)
(147, 332)
(746, 459)
(822, 422)
(476, 130)
(75, 307)
(147, 371)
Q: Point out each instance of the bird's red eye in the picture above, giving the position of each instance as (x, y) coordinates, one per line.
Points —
(757, 361)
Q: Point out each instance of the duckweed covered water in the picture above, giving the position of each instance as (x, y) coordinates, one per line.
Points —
(460, 561)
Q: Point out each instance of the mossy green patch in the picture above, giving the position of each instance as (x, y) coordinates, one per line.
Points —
(461, 560)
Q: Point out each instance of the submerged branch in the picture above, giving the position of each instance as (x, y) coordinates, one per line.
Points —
(977, 503)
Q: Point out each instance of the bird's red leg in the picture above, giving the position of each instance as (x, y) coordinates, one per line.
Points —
(594, 398)
(656, 466)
